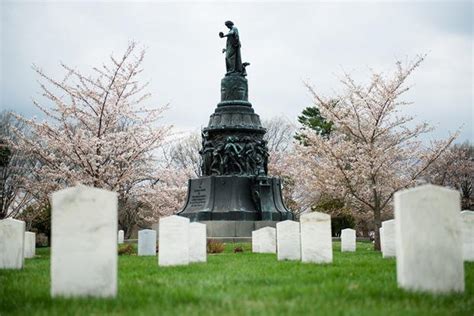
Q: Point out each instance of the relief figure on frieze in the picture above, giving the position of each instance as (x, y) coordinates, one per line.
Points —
(207, 156)
(217, 165)
(249, 155)
(232, 151)
(262, 157)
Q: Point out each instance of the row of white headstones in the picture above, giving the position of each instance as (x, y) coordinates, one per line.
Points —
(428, 238)
(84, 242)
(308, 240)
(181, 241)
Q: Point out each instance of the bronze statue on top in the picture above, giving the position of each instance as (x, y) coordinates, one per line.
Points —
(233, 57)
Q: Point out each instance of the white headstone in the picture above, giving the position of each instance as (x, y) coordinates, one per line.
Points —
(348, 240)
(255, 241)
(265, 239)
(389, 248)
(316, 240)
(84, 242)
(147, 242)
(467, 220)
(12, 239)
(381, 239)
(197, 242)
(288, 240)
(120, 236)
(428, 240)
(30, 245)
(173, 241)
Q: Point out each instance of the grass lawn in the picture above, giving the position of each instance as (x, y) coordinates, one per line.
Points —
(360, 283)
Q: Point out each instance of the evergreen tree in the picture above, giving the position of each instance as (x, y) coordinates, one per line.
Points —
(311, 118)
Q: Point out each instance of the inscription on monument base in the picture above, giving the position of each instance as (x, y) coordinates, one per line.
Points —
(199, 195)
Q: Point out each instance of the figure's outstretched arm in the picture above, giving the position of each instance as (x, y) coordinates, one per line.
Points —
(231, 32)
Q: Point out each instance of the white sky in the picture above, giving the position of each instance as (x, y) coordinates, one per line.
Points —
(285, 43)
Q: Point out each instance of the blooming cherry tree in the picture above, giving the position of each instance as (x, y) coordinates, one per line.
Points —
(455, 169)
(373, 151)
(14, 166)
(97, 131)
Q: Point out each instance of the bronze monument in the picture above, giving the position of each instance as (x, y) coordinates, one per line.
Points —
(234, 189)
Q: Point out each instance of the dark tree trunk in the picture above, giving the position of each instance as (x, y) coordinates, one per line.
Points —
(378, 224)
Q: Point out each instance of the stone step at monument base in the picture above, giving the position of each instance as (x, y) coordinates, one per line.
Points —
(232, 229)
(358, 239)
(229, 229)
(246, 239)
(231, 240)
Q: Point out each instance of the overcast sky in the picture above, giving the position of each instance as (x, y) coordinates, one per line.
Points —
(286, 43)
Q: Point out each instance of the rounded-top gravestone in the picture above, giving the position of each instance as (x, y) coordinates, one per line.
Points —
(147, 242)
(12, 241)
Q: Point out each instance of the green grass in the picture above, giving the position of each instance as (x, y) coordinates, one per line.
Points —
(360, 283)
